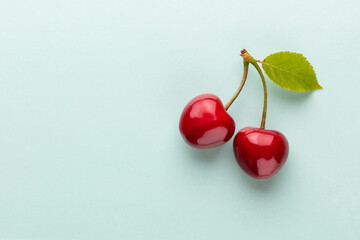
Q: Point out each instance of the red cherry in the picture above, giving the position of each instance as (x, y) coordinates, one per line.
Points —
(259, 152)
(205, 123)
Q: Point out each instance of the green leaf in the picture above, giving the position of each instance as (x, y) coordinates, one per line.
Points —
(291, 71)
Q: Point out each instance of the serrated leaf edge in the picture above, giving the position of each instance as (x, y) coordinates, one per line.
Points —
(311, 67)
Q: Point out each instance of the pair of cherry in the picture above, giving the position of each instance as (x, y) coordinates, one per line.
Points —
(205, 123)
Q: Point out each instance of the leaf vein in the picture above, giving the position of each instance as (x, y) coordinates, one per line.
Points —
(282, 69)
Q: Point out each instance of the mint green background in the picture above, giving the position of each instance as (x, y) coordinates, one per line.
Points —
(90, 97)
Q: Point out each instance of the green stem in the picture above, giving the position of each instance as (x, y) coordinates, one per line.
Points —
(263, 119)
(246, 68)
(249, 58)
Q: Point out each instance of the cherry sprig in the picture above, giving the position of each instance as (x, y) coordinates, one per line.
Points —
(261, 153)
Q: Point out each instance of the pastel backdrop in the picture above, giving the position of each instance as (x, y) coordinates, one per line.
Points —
(90, 97)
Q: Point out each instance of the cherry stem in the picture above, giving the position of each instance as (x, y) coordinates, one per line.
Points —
(247, 57)
(246, 68)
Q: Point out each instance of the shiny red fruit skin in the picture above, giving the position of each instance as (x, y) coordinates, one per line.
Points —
(204, 123)
(259, 152)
